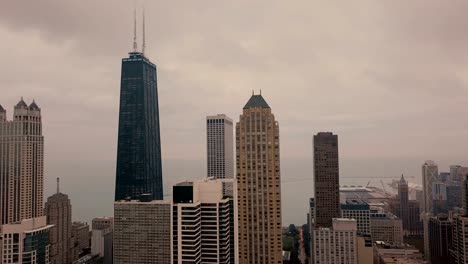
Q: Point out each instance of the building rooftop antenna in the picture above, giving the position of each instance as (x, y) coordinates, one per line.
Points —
(144, 40)
(58, 185)
(134, 31)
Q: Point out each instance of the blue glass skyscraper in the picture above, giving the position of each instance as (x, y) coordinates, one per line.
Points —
(139, 145)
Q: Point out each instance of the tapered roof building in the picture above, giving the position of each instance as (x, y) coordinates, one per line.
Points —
(139, 144)
(259, 184)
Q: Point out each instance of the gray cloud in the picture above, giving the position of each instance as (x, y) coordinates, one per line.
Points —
(389, 77)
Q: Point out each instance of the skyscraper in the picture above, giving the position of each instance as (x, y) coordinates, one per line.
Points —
(407, 210)
(139, 145)
(459, 247)
(21, 164)
(220, 152)
(24, 236)
(440, 237)
(326, 179)
(58, 212)
(430, 175)
(258, 184)
(454, 172)
(403, 202)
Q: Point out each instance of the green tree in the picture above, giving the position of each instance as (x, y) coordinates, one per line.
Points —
(292, 230)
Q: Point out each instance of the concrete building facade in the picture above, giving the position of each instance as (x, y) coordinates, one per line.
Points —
(365, 250)
(21, 164)
(258, 184)
(142, 232)
(360, 211)
(337, 244)
(385, 253)
(386, 227)
(58, 211)
(326, 179)
(201, 223)
(102, 231)
(26, 241)
(81, 237)
(103, 222)
(220, 146)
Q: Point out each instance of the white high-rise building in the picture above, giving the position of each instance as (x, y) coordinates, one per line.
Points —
(202, 223)
(337, 244)
(26, 241)
(142, 232)
(220, 146)
(102, 238)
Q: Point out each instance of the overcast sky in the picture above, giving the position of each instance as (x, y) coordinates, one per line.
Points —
(389, 77)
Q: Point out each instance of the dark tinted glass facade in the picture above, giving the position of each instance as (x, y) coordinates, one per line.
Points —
(35, 249)
(139, 144)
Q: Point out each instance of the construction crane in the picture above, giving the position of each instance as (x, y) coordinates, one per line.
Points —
(383, 186)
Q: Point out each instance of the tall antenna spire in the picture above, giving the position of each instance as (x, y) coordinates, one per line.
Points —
(134, 31)
(144, 41)
(58, 185)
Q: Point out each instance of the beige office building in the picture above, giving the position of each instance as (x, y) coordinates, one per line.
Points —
(259, 184)
(21, 164)
(365, 250)
(143, 232)
(58, 211)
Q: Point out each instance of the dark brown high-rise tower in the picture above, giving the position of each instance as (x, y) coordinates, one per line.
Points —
(326, 179)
